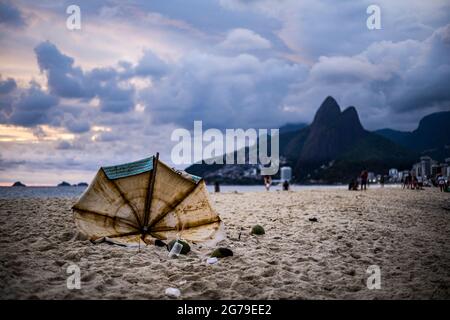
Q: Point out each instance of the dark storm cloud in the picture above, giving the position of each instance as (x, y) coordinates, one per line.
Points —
(233, 89)
(314, 28)
(10, 164)
(222, 91)
(63, 78)
(427, 84)
(388, 78)
(77, 125)
(67, 81)
(33, 107)
(10, 15)
(7, 86)
(151, 65)
(224, 85)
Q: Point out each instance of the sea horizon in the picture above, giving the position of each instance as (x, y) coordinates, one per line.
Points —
(9, 192)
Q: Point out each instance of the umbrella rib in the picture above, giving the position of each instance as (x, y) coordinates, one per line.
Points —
(106, 216)
(172, 207)
(148, 199)
(127, 202)
(162, 229)
(134, 233)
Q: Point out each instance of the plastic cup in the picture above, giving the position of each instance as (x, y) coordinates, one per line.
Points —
(176, 250)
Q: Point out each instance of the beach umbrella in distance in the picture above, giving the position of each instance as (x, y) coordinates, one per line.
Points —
(144, 201)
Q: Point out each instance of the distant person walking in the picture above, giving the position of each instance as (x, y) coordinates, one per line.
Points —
(216, 186)
(441, 183)
(285, 185)
(408, 181)
(414, 182)
(267, 182)
(382, 181)
(364, 176)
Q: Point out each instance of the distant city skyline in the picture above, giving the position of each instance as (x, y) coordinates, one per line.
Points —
(114, 91)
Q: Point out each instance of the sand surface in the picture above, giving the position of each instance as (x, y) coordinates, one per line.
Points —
(405, 232)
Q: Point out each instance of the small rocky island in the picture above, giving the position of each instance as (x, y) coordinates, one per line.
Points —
(64, 184)
(18, 184)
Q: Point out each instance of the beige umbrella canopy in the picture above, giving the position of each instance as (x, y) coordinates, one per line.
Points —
(146, 200)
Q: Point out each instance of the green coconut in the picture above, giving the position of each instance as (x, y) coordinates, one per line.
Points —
(258, 230)
(186, 247)
(221, 253)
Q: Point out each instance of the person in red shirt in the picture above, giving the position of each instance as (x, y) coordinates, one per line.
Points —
(364, 176)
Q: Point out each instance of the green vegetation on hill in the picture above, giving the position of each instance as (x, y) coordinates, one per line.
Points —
(432, 136)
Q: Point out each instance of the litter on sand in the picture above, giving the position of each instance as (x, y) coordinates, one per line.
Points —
(173, 292)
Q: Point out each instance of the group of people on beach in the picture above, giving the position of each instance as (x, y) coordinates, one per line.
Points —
(417, 182)
(362, 181)
(268, 183)
(412, 182)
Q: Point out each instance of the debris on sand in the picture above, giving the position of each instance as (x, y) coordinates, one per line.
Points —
(173, 292)
(186, 248)
(221, 253)
(258, 230)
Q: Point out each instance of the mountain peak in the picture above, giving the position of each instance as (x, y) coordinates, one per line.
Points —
(328, 110)
(432, 120)
(350, 116)
(331, 133)
(351, 110)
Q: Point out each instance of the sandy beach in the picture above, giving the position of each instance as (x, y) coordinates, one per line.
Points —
(405, 232)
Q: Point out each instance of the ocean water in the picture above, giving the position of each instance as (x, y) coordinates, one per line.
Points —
(74, 192)
(40, 192)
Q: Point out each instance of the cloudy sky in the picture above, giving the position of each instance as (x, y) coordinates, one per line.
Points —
(112, 92)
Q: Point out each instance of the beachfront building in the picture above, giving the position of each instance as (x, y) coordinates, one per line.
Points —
(417, 169)
(425, 166)
(393, 174)
(405, 173)
(430, 169)
(444, 169)
(447, 171)
(435, 170)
